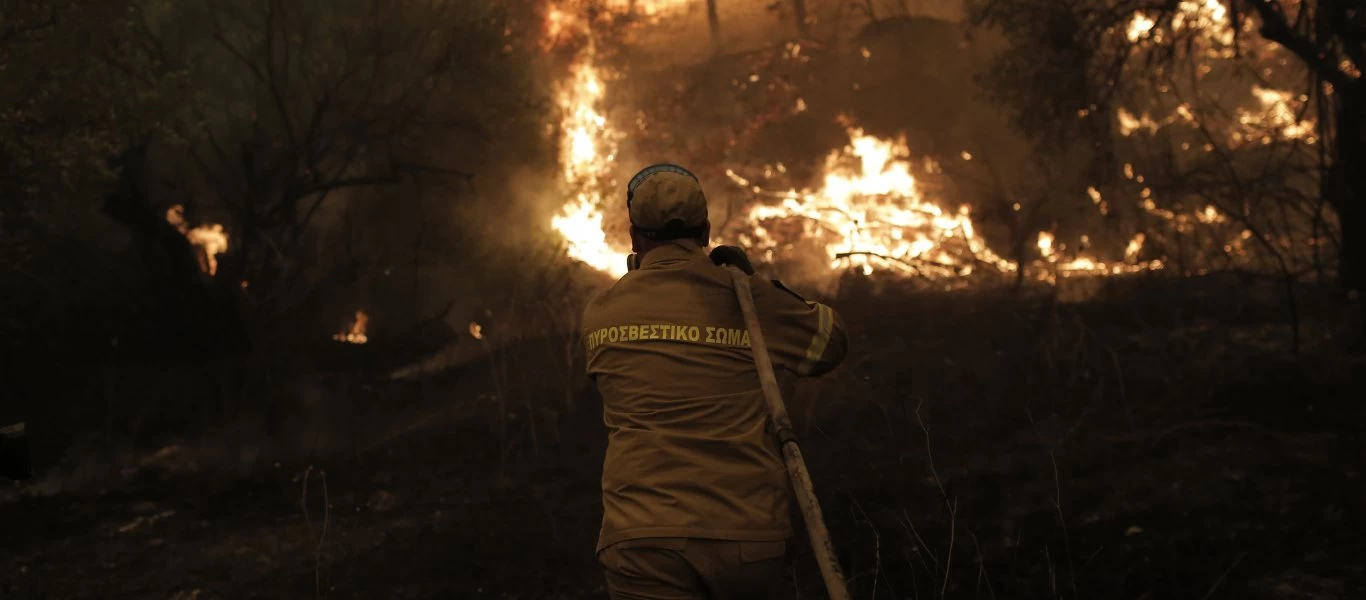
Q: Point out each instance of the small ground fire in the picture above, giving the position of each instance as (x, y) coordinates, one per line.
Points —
(356, 333)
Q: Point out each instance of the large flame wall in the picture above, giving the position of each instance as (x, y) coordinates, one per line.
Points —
(868, 212)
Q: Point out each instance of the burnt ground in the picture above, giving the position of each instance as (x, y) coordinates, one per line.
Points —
(1157, 441)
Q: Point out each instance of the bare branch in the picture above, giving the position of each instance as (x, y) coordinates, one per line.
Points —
(1322, 60)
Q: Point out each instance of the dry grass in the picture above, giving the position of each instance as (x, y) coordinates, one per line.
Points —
(976, 446)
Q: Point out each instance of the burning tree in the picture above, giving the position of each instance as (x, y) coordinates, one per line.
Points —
(780, 131)
(1234, 128)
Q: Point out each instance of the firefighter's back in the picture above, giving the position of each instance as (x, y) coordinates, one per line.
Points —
(688, 452)
(694, 494)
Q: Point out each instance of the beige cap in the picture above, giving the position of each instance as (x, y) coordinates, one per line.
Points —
(668, 196)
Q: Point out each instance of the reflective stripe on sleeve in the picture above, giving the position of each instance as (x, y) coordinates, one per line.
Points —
(819, 341)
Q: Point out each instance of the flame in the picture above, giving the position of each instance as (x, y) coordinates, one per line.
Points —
(1135, 246)
(1208, 18)
(1212, 27)
(1129, 123)
(1140, 27)
(211, 241)
(476, 331)
(557, 24)
(1349, 68)
(649, 8)
(356, 334)
(870, 215)
(588, 146)
(175, 216)
(571, 17)
(208, 240)
(1279, 115)
(867, 214)
(1210, 215)
(1046, 244)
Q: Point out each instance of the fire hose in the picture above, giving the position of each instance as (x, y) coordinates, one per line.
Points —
(792, 452)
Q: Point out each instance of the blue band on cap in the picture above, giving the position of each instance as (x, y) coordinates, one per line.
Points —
(645, 173)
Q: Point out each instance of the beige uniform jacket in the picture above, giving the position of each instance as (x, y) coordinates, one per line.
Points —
(690, 452)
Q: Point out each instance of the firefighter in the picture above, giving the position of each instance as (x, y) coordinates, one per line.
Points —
(694, 491)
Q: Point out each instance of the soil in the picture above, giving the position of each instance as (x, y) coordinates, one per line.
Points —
(1140, 444)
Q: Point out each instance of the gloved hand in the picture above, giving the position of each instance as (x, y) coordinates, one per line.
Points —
(732, 255)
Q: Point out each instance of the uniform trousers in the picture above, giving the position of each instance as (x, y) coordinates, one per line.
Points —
(693, 569)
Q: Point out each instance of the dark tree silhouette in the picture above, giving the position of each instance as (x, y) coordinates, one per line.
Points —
(77, 89)
(714, 23)
(799, 14)
(299, 103)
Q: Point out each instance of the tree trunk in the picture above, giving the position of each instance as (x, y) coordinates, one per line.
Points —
(799, 11)
(714, 21)
(1348, 191)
